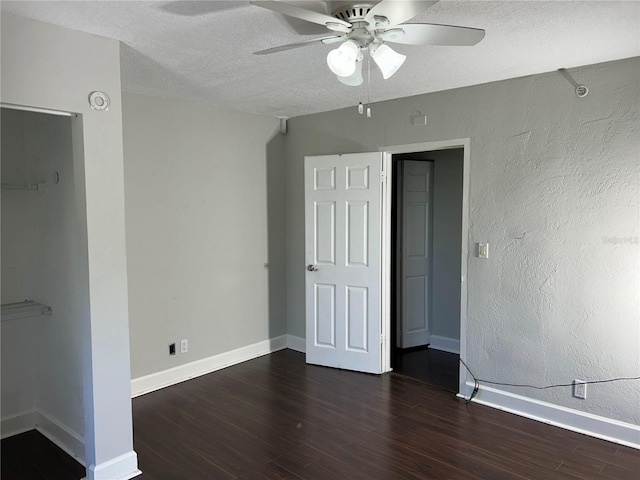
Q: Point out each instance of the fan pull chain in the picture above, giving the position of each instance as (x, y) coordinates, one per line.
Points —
(361, 108)
(369, 85)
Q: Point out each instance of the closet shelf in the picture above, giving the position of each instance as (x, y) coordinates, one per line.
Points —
(26, 309)
(38, 187)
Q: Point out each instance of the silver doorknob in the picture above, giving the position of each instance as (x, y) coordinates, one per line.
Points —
(312, 268)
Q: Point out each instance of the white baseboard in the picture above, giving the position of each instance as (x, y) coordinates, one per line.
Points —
(563, 417)
(18, 423)
(123, 467)
(445, 344)
(68, 440)
(296, 343)
(65, 438)
(165, 378)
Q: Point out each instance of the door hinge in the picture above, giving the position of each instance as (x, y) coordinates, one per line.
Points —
(381, 339)
(383, 177)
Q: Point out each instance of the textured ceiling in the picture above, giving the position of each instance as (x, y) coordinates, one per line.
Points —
(202, 51)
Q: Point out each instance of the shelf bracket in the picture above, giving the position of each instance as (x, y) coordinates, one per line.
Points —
(39, 187)
(26, 309)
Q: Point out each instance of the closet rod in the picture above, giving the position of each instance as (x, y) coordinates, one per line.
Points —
(13, 106)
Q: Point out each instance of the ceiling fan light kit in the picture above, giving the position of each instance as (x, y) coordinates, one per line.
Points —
(355, 79)
(342, 60)
(388, 60)
(369, 25)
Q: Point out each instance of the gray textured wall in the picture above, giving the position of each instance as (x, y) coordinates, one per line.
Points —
(553, 189)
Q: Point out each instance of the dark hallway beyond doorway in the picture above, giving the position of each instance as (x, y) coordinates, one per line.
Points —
(434, 367)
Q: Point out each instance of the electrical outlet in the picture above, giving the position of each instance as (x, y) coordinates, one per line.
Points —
(172, 349)
(579, 389)
(184, 346)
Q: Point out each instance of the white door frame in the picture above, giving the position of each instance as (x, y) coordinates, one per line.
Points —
(465, 144)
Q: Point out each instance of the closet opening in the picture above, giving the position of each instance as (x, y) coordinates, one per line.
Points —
(44, 269)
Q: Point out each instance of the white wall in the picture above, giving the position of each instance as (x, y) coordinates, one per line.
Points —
(447, 242)
(41, 357)
(552, 178)
(55, 68)
(201, 225)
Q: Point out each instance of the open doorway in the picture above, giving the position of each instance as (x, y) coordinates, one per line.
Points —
(426, 245)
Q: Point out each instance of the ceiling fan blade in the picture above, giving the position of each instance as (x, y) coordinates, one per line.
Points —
(192, 8)
(304, 14)
(302, 27)
(303, 43)
(397, 11)
(432, 34)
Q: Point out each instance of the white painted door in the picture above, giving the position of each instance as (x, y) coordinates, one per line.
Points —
(415, 253)
(343, 266)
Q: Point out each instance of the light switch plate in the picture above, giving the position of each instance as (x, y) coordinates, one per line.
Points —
(483, 250)
(417, 120)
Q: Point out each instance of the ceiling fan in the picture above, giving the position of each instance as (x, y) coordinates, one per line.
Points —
(362, 26)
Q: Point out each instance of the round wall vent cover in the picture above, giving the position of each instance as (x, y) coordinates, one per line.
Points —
(99, 101)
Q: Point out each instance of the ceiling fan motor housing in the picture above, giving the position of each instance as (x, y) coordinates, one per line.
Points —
(350, 11)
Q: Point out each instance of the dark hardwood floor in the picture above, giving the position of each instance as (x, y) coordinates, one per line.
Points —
(32, 456)
(437, 368)
(277, 418)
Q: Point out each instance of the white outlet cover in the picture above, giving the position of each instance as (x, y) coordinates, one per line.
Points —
(579, 389)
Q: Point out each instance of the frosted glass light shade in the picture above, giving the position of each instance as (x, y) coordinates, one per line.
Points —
(355, 78)
(388, 60)
(342, 60)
